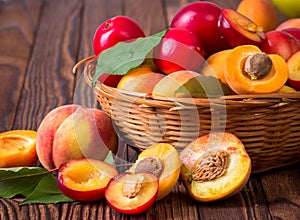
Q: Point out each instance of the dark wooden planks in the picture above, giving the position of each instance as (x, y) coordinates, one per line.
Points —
(18, 24)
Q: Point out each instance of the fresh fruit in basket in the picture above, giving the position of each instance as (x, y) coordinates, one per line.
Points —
(169, 84)
(85, 179)
(140, 79)
(238, 30)
(202, 19)
(131, 193)
(114, 30)
(161, 159)
(74, 131)
(281, 43)
(295, 32)
(248, 70)
(293, 64)
(290, 23)
(261, 12)
(214, 65)
(180, 49)
(215, 166)
(18, 148)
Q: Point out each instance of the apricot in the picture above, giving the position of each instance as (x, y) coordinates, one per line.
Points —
(73, 132)
(261, 12)
(169, 84)
(215, 166)
(248, 70)
(215, 64)
(140, 79)
(161, 159)
(18, 148)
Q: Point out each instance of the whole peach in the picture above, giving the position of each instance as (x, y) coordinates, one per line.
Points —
(73, 132)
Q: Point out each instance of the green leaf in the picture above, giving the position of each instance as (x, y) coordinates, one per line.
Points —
(46, 191)
(110, 159)
(203, 87)
(118, 60)
(20, 181)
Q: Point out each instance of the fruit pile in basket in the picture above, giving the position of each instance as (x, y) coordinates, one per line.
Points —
(208, 44)
(207, 51)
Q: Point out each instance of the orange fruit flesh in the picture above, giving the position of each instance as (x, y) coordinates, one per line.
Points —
(18, 148)
(148, 189)
(235, 177)
(168, 155)
(86, 176)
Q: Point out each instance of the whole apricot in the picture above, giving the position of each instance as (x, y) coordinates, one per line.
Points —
(261, 12)
(140, 79)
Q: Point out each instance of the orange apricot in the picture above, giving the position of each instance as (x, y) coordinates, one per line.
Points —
(214, 65)
(248, 70)
(140, 79)
(261, 12)
(162, 159)
(18, 148)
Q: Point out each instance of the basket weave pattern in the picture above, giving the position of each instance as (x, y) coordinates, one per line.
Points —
(268, 125)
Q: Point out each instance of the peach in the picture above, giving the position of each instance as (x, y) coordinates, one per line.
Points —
(293, 64)
(18, 148)
(140, 79)
(215, 166)
(169, 84)
(261, 12)
(73, 132)
(290, 23)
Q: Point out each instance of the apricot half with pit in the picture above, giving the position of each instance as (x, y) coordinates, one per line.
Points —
(131, 193)
(85, 179)
(215, 166)
(162, 160)
(18, 148)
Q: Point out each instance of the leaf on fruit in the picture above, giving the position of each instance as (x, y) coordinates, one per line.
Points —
(46, 192)
(203, 87)
(122, 57)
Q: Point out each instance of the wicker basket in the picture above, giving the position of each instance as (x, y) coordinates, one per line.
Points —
(268, 124)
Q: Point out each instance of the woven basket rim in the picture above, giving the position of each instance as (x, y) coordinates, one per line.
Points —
(247, 98)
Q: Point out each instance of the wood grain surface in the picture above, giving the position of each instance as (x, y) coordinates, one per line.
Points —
(41, 40)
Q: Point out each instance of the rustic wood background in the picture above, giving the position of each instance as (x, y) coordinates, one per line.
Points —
(40, 42)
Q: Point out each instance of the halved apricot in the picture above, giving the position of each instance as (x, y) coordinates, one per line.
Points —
(162, 159)
(85, 179)
(131, 193)
(248, 70)
(215, 166)
(18, 148)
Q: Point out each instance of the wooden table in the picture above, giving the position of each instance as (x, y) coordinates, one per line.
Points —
(41, 41)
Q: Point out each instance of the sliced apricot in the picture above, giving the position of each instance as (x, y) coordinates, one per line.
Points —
(18, 148)
(215, 166)
(161, 159)
(248, 70)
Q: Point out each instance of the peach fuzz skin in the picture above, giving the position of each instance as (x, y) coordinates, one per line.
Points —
(73, 132)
